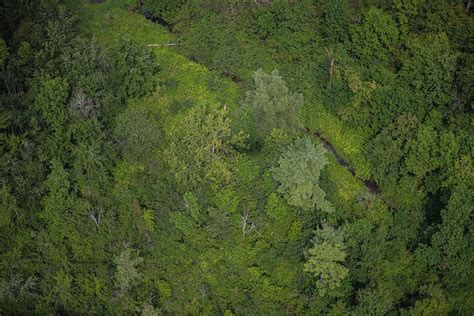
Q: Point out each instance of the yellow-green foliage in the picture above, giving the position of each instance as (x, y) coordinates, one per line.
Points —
(111, 19)
(341, 187)
(347, 142)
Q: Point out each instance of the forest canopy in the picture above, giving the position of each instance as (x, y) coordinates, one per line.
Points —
(218, 157)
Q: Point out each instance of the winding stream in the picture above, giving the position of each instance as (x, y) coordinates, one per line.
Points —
(370, 184)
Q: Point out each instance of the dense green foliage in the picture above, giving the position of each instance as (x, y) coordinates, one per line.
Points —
(172, 169)
(325, 258)
(273, 105)
(298, 172)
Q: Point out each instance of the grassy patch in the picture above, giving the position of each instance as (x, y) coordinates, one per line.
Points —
(111, 19)
(341, 187)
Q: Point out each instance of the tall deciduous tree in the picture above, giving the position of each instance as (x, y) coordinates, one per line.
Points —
(50, 103)
(454, 243)
(127, 274)
(298, 171)
(326, 257)
(429, 67)
(135, 68)
(376, 38)
(273, 105)
(334, 22)
(201, 146)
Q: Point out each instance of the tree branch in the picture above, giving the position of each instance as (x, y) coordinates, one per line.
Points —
(166, 44)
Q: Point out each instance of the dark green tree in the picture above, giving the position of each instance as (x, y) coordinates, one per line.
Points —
(334, 22)
(429, 66)
(376, 38)
(134, 69)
